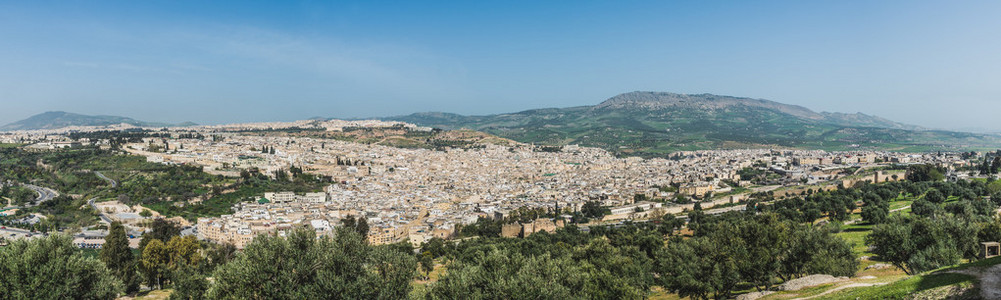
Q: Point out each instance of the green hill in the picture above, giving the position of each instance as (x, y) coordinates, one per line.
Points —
(655, 123)
(60, 119)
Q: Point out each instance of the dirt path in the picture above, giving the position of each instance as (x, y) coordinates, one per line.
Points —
(990, 283)
(990, 280)
(899, 209)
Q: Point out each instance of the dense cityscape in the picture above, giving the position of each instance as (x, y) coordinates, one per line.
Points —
(433, 150)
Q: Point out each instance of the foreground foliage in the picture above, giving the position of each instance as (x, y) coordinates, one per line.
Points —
(302, 266)
(53, 268)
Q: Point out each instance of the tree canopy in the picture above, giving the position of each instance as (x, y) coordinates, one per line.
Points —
(303, 266)
(53, 268)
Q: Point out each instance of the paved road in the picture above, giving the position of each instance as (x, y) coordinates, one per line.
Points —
(114, 184)
(10, 233)
(100, 213)
(10, 230)
(44, 194)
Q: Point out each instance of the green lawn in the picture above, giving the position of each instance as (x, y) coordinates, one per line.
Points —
(979, 263)
(855, 234)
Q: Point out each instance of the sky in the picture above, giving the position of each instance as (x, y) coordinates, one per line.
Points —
(930, 63)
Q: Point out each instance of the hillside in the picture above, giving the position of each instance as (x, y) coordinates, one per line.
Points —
(60, 119)
(655, 123)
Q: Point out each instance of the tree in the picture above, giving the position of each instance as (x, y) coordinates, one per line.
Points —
(217, 255)
(935, 196)
(917, 244)
(426, 260)
(362, 227)
(699, 268)
(303, 266)
(875, 213)
(596, 270)
(117, 256)
(918, 173)
(435, 246)
(995, 165)
(349, 222)
(155, 262)
(183, 251)
(359, 225)
(162, 230)
(593, 209)
(189, 284)
(924, 208)
(53, 268)
(816, 251)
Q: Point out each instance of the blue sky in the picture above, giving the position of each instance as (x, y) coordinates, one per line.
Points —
(934, 63)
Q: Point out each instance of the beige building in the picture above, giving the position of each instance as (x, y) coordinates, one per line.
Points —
(527, 229)
(695, 189)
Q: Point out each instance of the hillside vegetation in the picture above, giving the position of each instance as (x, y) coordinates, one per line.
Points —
(654, 124)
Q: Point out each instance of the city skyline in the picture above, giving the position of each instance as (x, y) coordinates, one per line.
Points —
(210, 64)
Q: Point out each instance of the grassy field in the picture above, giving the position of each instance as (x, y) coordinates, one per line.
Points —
(420, 287)
(855, 234)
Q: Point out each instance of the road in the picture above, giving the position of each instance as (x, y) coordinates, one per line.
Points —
(100, 213)
(44, 194)
(10, 233)
(114, 184)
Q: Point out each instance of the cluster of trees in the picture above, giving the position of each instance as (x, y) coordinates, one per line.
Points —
(18, 165)
(483, 227)
(19, 195)
(836, 205)
(567, 264)
(526, 214)
(302, 266)
(750, 173)
(117, 138)
(875, 198)
(917, 244)
(53, 268)
(938, 232)
(165, 259)
(991, 163)
(918, 173)
(726, 253)
(267, 150)
(736, 250)
(359, 225)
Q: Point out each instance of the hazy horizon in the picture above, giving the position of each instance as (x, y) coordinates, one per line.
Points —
(924, 63)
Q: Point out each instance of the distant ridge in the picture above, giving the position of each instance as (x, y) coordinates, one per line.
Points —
(657, 123)
(662, 100)
(61, 119)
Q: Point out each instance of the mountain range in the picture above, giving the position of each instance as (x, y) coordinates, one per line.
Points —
(656, 123)
(60, 119)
